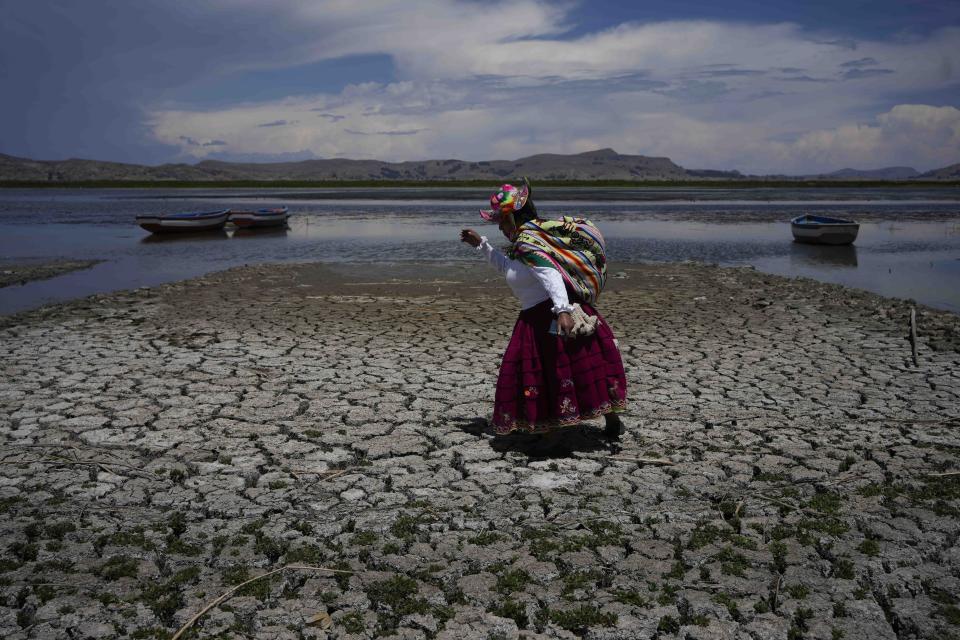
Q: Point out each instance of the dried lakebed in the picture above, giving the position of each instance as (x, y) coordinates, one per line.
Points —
(787, 471)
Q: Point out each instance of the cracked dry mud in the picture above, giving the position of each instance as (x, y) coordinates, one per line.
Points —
(160, 447)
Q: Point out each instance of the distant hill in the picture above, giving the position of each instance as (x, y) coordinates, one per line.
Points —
(886, 173)
(604, 164)
(951, 172)
(715, 173)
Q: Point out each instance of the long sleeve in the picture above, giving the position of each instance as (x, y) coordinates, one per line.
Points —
(552, 282)
(493, 255)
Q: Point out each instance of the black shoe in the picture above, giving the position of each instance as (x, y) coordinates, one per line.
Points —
(614, 428)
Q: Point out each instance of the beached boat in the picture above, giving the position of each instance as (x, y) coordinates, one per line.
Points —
(259, 218)
(824, 230)
(184, 222)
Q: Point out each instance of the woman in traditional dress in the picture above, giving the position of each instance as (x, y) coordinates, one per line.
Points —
(562, 364)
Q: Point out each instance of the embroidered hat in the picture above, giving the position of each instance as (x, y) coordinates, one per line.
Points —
(506, 200)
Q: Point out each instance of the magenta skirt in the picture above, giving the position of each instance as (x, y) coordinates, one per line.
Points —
(547, 381)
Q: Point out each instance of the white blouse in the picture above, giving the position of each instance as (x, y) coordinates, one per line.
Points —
(531, 285)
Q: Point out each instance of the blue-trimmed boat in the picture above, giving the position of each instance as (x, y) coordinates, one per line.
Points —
(181, 222)
(824, 230)
(260, 218)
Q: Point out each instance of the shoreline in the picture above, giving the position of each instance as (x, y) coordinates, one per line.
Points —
(479, 184)
(163, 445)
(413, 277)
(21, 272)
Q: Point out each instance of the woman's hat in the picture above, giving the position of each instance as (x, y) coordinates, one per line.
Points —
(506, 200)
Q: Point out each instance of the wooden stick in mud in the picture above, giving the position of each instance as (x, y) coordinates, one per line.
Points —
(913, 334)
(642, 460)
(230, 592)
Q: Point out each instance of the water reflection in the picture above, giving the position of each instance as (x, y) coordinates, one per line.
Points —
(823, 255)
(184, 236)
(904, 249)
(264, 232)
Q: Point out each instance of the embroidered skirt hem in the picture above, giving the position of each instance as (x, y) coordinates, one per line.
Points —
(546, 381)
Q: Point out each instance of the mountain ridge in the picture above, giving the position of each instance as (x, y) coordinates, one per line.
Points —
(599, 164)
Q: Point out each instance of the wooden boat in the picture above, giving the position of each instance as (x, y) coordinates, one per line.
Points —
(260, 218)
(824, 230)
(184, 222)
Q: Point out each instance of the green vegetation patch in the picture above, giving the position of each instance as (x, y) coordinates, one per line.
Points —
(798, 591)
(869, 547)
(513, 610)
(407, 526)
(310, 554)
(731, 562)
(119, 567)
(843, 568)
(395, 598)
(705, 534)
(59, 529)
(133, 538)
(353, 622)
(582, 618)
(544, 543)
(804, 530)
(941, 491)
(826, 502)
(512, 581)
(578, 580)
(730, 603)
(166, 598)
(631, 597)
(363, 538)
(950, 613)
(486, 538)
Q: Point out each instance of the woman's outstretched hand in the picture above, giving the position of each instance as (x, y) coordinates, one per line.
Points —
(470, 237)
(564, 324)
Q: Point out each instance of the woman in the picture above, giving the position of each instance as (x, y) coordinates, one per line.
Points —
(562, 364)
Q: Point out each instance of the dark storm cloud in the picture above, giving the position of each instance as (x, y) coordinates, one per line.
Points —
(277, 123)
(96, 69)
(858, 74)
(862, 62)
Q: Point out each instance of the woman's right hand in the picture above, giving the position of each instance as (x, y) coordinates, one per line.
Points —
(470, 237)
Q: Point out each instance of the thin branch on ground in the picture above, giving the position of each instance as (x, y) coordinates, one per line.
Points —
(227, 594)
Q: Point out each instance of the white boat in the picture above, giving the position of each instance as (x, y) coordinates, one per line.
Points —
(824, 230)
(260, 218)
(184, 222)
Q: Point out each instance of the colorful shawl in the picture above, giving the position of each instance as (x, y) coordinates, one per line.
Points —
(572, 246)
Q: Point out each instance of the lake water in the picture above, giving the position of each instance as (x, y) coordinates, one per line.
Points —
(908, 247)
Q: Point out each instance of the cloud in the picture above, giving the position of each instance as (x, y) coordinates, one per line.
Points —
(463, 92)
(718, 73)
(406, 132)
(862, 62)
(277, 123)
(908, 134)
(696, 91)
(858, 74)
(332, 117)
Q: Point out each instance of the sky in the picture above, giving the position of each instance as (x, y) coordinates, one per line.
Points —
(778, 86)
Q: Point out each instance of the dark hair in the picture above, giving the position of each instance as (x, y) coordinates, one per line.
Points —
(525, 214)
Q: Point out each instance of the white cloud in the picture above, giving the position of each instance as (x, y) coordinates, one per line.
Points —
(909, 134)
(480, 81)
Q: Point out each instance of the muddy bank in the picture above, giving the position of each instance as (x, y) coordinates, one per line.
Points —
(787, 471)
(21, 273)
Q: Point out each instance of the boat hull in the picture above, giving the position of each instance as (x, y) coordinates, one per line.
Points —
(824, 231)
(265, 218)
(182, 223)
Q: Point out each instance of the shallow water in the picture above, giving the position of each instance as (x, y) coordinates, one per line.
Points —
(908, 247)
